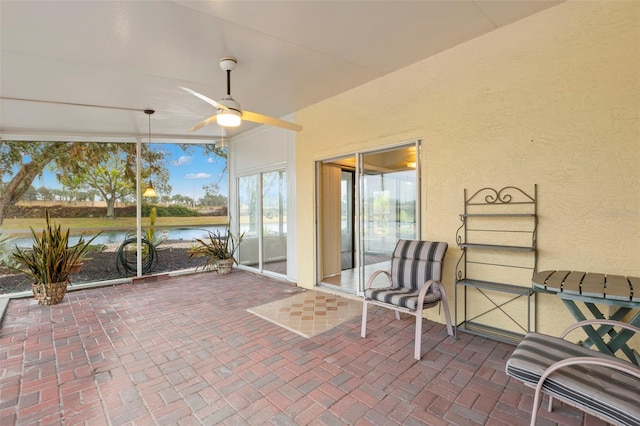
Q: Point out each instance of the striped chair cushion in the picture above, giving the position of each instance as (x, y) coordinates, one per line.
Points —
(412, 264)
(415, 262)
(613, 394)
(404, 297)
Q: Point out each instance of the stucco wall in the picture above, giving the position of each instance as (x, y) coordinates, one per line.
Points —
(552, 100)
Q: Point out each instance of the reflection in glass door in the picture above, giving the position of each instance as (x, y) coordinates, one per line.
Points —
(262, 203)
(274, 222)
(389, 201)
(249, 216)
(363, 211)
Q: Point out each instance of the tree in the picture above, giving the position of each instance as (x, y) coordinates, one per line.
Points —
(181, 199)
(23, 161)
(212, 196)
(44, 193)
(72, 185)
(30, 159)
(210, 200)
(110, 169)
(31, 194)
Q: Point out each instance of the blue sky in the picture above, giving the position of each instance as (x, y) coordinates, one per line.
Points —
(190, 171)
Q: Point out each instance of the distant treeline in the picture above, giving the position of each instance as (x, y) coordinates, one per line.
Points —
(35, 212)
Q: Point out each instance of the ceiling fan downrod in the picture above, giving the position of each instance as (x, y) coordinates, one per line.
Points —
(228, 63)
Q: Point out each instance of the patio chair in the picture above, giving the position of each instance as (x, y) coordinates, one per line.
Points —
(416, 271)
(595, 382)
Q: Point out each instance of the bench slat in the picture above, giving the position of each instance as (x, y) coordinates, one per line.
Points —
(635, 283)
(572, 282)
(593, 285)
(618, 288)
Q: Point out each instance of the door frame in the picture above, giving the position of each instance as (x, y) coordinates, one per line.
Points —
(357, 211)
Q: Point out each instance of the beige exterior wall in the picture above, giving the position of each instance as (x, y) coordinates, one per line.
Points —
(552, 100)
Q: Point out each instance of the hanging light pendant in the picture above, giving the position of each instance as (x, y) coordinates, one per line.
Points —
(150, 191)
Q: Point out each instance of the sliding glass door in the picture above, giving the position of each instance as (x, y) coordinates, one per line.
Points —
(366, 203)
(389, 202)
(274, 222)
(262, 203)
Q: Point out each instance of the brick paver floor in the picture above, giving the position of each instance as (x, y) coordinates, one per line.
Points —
(186, 351)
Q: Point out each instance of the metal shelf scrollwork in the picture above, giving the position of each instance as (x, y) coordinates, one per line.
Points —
(506, 195)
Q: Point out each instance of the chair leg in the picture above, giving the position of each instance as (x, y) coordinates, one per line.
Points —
(363, 328)
(397, 315)
(418, 348)
(445, 306)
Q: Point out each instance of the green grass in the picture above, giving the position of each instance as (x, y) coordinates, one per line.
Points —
(101, 223)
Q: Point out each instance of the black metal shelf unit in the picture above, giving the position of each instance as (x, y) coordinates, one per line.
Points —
(499, 256)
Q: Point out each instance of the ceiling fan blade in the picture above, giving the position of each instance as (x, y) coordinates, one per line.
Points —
(204, 98)
(203, 123)
(264, 119)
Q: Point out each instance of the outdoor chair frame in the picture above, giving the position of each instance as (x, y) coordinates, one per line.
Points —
(415, 285)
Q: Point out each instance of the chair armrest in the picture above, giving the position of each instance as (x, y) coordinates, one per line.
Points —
(425, 288)
(374, 275)
(612, 323)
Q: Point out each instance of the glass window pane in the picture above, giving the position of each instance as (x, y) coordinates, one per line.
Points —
(274, 221)
(248, 197)
(388, 201)
(90, 187)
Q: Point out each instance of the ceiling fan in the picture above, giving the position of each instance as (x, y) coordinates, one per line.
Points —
(229, 113)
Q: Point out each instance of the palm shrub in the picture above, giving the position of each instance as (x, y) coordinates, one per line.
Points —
(51, 258)
(216, 247)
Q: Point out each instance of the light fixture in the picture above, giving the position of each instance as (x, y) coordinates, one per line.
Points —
(231, 117)
(411, 164)
(149, 192)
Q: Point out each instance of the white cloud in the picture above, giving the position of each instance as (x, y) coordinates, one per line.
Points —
(184, 159)
(210, 160)
(197, 175)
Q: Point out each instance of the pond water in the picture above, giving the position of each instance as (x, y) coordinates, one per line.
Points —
(116, 237)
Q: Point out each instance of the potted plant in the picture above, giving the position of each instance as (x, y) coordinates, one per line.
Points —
(218, 250)
(50, 261)
(79, 263)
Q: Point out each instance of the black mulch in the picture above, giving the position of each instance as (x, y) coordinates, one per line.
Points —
(100, 266)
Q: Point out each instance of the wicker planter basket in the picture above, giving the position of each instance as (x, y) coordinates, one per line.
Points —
(224, 266)
(49, 294)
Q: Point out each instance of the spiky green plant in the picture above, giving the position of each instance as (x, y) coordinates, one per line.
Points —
(216, 247)
(51, 258)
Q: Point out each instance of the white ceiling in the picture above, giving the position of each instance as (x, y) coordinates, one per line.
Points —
(135, 54)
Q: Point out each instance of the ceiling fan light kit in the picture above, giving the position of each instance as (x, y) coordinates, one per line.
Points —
(228, 118)
(231, 116)
(228, 111)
